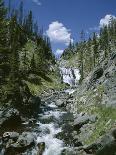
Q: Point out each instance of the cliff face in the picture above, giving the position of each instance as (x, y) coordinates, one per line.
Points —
(96, 97)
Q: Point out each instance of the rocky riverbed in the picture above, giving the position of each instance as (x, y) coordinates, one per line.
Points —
(50, 133)
(55, 131)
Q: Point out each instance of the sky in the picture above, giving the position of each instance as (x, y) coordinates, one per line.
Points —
(63, 20)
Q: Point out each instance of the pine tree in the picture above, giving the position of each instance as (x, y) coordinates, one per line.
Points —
(104, 40)
(82, 36)
(14, 60)
(35, 27)
(9, 9)
(33, 64)
(95, 49)
(21, 13)
(29, 23)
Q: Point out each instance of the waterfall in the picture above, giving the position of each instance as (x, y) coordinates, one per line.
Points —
(70, 75)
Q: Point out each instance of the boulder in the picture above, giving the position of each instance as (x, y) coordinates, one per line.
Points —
(25, 141)
(9, 117)
(76, 142)
(92, 148)
(96, 75)
(41, 147)
(84, 119)
(60, 103)
(105, 146)
(109, 149)
(10, 135)
(29, 104)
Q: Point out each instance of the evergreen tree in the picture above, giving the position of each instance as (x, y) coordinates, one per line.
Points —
(21, 13)
(33, 64)
(95, 49)
(104, 40)
(82, 36)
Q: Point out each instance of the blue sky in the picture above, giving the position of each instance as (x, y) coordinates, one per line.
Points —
(63, 20)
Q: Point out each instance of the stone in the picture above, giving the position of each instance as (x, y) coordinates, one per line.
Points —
(60, 102)
(25, 140)
(84, 119)
(96, 75)
(76, 142)
(114, 133)
(10, 117)
(41, 147)
(10, 135)
(92, 148)
(108, 149)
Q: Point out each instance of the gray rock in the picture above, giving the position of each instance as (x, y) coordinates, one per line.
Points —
(25, 140)
(41, 147)
(108, 149)
(91, 149)
(73, 151)
(96, 75)
(84, 119)
(105, 146)
(10, 117)
(10, 135)
(60, 102)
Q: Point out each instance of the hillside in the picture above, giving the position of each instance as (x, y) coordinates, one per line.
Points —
(93, 102)
(27, 64)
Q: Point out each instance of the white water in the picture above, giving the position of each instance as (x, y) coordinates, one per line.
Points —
(70, 91)
(53, 146)
(70, 75)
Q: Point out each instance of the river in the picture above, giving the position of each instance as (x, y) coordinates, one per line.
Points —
(53, 127)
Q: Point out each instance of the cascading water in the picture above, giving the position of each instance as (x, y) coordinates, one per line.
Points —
(70, 75)
(49, 127)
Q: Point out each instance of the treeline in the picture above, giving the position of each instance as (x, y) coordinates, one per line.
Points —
(90, 52)
(24, 50)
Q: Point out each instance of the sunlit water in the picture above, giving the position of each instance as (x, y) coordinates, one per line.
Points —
(48, 131)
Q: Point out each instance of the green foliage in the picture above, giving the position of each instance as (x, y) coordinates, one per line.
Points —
(89, 53)
(23, 52)
(106, 119)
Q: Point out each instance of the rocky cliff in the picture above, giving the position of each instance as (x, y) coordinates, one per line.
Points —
(94, 107)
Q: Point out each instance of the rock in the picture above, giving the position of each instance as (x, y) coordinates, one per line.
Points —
(91, 149)
(114, 133)
(32, 121)
(76, 142)
(32, 106)
(29, 104)
(41, 147)
(84, 119)
(113, 55)
(109, 149)
(96, 75)
(10, 135)
(73, 151)
(25, 140)
(10, 117)
(105, 146)
(60, 103)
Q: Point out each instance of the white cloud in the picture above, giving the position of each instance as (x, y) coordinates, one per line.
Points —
(103, 21)
(58, 33)
(37, 2)
(106, 20)
(58, 52)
